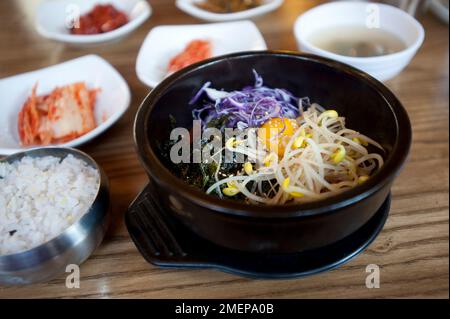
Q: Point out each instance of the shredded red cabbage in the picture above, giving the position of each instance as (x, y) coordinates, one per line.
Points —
(250, 107)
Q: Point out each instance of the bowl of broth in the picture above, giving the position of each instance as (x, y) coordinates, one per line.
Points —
(376, 38)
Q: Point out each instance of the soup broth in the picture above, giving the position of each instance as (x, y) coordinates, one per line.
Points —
(357, 41)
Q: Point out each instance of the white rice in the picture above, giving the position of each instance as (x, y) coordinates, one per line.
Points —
(42, 197)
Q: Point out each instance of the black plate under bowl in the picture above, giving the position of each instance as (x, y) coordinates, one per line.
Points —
(165, 242)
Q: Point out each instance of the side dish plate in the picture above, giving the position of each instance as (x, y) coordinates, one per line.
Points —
(52, 17)
(112, 101)
(164, 42)
(190, 8)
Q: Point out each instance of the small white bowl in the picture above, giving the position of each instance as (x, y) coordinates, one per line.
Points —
(190, 8)
(52, 18)
(164, 42)
(112, 101)
(349, 13)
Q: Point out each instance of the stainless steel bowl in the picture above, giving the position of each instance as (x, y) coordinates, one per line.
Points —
(73, 246)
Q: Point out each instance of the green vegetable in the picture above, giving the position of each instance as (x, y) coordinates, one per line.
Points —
(200, 175)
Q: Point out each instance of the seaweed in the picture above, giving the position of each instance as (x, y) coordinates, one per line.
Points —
(200, 175)
(218, 122)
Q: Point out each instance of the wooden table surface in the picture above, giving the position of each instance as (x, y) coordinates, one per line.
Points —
(412, 250)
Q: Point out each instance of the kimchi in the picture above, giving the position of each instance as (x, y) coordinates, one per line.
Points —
(58, 117)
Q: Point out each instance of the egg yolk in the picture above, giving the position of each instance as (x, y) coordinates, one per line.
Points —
(276, 133)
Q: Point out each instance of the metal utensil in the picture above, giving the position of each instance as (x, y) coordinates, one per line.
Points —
(412, 7)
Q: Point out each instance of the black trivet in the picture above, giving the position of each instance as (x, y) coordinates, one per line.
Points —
(165, 242)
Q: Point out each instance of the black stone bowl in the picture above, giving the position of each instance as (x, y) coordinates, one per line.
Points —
(369, 107)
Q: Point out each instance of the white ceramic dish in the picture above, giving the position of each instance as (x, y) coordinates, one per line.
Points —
(112, 101)
(190, 8)
(350, 13)
(52, 18)
(164, 42)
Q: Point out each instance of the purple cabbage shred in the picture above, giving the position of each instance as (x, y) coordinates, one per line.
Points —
(250, 107)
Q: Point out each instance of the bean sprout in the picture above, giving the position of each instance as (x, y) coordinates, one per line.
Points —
(321, 159)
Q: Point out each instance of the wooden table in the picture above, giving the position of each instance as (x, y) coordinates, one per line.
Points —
(412, 250)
